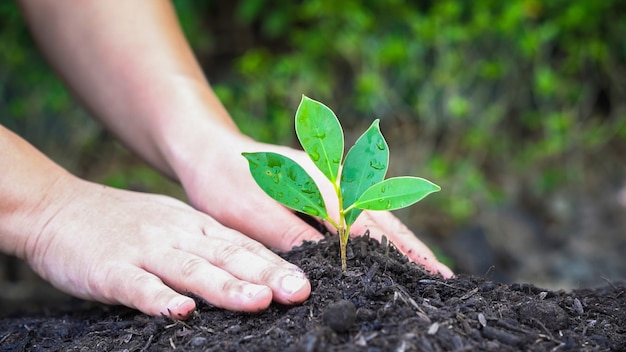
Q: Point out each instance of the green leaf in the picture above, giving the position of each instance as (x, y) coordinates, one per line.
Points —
(321, 136)
(365, 165)
(287, 182)
(395, 193)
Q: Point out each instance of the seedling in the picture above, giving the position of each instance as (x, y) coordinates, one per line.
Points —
(358, 180)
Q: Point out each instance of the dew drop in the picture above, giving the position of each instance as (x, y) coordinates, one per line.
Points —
(376, 165)
(306, 188)
(291, 174)
(380, 145)
(296, 200)
(314, 156)
(310, 210)
(383, 189)
(388, 206)
(320, 135)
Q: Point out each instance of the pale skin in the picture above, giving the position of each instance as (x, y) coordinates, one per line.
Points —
(130, 65)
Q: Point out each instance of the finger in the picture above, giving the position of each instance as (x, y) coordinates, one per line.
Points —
(252, 262)
(186, 272)
(134, 287)
(381, 223)
(270, 223)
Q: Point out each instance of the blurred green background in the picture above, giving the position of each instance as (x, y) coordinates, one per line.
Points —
(516, 108)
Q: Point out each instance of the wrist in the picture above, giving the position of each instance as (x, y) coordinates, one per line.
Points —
(194, 129)
(32, 189)
(29, 208)
(200, 144)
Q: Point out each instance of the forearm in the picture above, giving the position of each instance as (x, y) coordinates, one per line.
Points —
(27, 201)
(130, 65)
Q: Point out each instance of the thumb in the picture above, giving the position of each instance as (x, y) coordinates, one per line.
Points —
(271, 224)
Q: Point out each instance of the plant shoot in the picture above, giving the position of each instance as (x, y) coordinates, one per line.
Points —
(358, 179)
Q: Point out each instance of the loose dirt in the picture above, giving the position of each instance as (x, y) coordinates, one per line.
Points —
(381, 303)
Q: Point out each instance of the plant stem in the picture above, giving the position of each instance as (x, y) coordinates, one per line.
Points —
(342, 248)
(343, 229)
(343, 239)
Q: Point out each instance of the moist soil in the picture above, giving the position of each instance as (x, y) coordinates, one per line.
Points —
(381, 303)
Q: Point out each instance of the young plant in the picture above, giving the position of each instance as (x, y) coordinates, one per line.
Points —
(358, 180)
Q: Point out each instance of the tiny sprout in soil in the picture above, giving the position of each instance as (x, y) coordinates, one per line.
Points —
(358, 180)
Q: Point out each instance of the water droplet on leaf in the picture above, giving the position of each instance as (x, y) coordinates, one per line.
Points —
(291, 174)
(307, 188)
(376, 165)
(310, 210)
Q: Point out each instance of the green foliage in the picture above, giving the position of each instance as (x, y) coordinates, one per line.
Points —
(36, 105)
(358, 183)
(502, 94)
(33, 101)
(498, 91)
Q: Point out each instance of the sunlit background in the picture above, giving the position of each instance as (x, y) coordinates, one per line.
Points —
(516, 108)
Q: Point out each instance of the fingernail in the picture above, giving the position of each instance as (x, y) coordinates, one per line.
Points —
(178, 302)
(445, 271)
(252, 290)
(292, 283)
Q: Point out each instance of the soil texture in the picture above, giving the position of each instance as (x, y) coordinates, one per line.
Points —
(381, 303)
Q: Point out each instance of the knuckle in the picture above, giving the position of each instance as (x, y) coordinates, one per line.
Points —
(229, 286)
(190, 266)
(229, 253)
(270, 274)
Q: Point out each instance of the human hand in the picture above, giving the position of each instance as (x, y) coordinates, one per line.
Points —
(144, 250)
(231, 196)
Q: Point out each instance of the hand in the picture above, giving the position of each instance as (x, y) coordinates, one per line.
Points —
(230, 195)
(144, 250)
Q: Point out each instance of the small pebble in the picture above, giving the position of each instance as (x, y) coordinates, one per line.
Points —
(340, 316)
(198, 341)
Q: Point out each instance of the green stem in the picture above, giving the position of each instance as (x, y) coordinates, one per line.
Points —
(342, 249)
(342, 228)
(343, 239)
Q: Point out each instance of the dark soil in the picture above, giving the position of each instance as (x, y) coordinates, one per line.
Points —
(382, 303)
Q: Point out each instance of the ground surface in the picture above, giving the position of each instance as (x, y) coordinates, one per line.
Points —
(382, 303)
